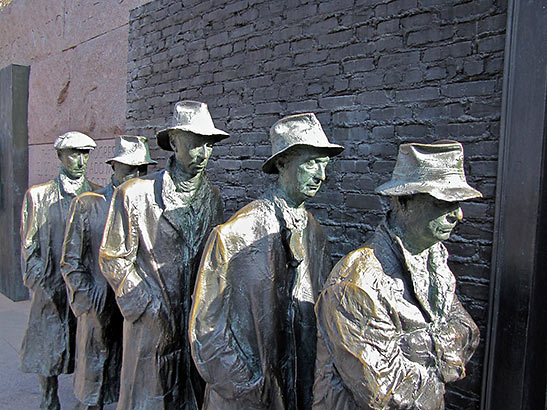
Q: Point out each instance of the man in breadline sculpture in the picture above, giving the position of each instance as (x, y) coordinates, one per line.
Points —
(48, 344)
(252, 326)
(392, 331)
(154, 235)
(99, 321)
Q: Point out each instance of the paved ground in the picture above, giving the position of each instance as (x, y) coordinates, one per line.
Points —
(18, 390)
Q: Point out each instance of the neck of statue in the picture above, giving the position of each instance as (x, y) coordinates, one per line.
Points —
(290, 200)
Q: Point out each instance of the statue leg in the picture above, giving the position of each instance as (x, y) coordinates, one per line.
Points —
(48, 388)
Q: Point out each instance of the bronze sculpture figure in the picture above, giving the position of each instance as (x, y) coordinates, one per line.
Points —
(252, 326)
(99, 327)
(155, 231)
(48, 345)
(392, 331)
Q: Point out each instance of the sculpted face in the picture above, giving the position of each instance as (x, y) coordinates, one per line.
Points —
(301, 174)
(428, 220)
(191, 151)
(74, 161)
(124, 172)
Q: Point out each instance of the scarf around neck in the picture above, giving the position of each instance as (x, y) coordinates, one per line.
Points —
(71, 186)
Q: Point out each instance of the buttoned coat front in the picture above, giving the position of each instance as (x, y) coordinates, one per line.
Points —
(252, 328)
(380, 344)
(150, 254)
(99, 328)
(48, 344)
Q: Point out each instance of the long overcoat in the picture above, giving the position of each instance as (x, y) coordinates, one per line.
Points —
(390, 335)
(48, 344)
(252, 330)
(150, 254)
(100, 323)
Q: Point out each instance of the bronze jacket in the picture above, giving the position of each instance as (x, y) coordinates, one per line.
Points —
(383, 343)
(99, 330)
(252, 329)
(150, 254)
(48, 344)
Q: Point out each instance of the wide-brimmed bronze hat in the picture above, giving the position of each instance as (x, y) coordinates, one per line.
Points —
(75, 140)
(435, 169)
(192, 116)
(131, 150)
(300, 130)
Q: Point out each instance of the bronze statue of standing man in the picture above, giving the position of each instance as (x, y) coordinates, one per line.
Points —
(252, 326)
(392, 331)
(154, 235)
(48, 345)
(99, 329)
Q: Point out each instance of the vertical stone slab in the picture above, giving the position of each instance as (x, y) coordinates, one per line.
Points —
(13, 174)
(516, 360)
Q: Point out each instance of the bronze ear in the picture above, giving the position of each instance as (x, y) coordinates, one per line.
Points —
(172, 144)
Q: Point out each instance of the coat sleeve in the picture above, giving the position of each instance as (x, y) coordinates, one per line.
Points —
(32, 265)
(118, 255)
(363, 341)
(215, 349)
(455, 342)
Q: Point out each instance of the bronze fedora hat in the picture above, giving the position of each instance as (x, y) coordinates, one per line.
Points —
(192, 116)
(75, 140)
(131, 150)
(299, 130)
(435, 169)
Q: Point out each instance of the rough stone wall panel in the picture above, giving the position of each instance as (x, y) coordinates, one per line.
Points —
(376, 73)
(49, 85)
(77, 51)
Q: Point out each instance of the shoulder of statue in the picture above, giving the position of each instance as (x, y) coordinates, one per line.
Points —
(39, 191)
(94, 186)
(88, 198)
(259, 214)
(141, 185)
(360, 267)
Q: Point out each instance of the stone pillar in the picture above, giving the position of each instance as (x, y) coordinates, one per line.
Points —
(516, 361)
(13, 175)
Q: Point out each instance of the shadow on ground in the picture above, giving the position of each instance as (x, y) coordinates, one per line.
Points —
(18, 390)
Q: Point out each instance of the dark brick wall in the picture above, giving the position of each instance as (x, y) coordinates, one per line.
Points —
(376, 73)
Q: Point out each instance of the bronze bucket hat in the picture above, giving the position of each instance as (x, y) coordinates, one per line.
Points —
(75, 140)
(300, 130)
(132, 150)
(435, 169)
(192, 116)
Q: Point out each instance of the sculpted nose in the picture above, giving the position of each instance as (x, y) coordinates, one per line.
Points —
(456, 215)
(320, 173)
(202, 153)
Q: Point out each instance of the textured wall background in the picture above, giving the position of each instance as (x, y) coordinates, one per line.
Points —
(377, 73)
(77, 51)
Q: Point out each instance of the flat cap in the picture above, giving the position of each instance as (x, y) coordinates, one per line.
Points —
(74, 139)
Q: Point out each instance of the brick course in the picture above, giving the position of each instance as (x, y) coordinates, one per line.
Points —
(376, 73)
